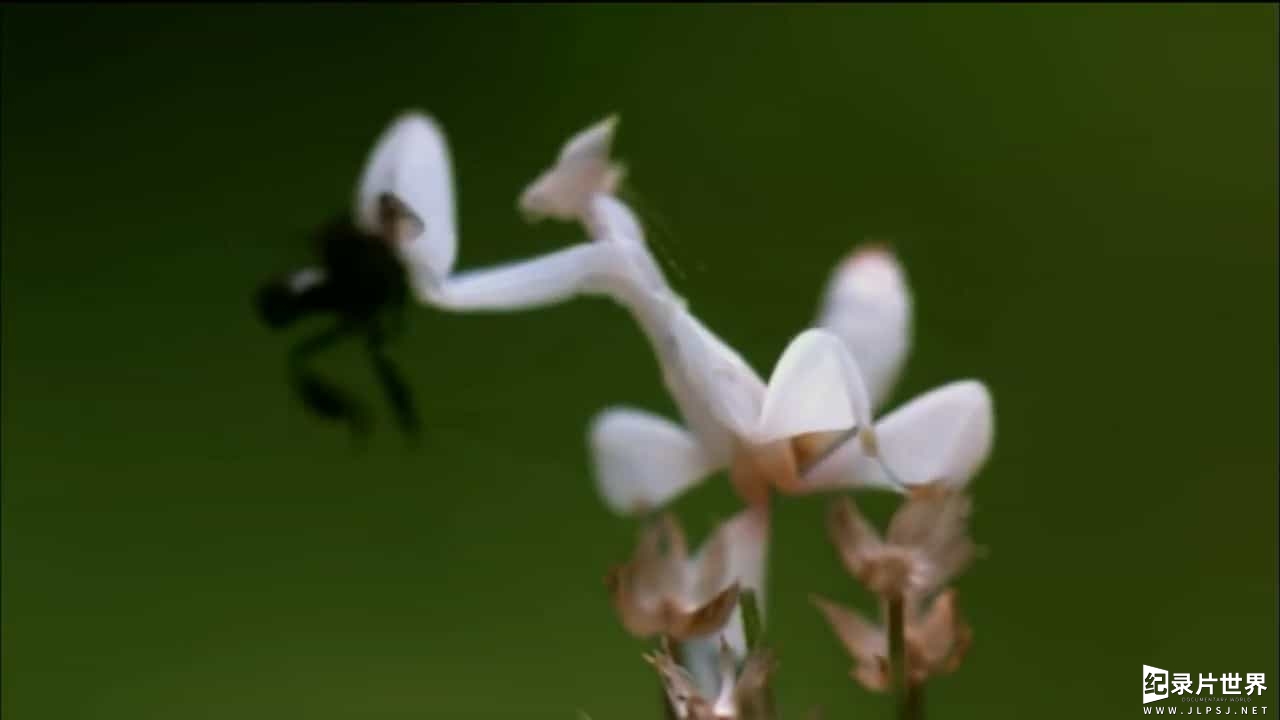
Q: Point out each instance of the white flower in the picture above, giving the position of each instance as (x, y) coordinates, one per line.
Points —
(663, 591)
(734, 695)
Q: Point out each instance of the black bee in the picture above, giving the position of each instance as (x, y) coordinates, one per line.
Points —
(361, 284)
(400, 229)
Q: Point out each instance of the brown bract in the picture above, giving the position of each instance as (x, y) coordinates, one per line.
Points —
(927, 543)
(936, 641)
(740, 696)
(664, 592)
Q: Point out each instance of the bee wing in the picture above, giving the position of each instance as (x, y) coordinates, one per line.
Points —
(410, 164)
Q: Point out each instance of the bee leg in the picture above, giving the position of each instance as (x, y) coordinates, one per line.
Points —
(321, 396)
(393, 384)
(283, 301)
(327, 400)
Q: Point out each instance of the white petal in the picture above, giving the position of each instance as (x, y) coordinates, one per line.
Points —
(815, 387)
(725, 383)
(643, 461)
(701, 658)
(410, 162)
(748, 538)
(581, 171)
(526, 284)
(943, 435)
(724, 705)
(868, 305)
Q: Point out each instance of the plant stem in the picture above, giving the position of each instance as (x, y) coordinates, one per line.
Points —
(751, 624)
(909, 698)
(668, 712)
(753, 628)
(915, 701)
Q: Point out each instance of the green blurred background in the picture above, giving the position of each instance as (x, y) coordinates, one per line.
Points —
(1085, 198)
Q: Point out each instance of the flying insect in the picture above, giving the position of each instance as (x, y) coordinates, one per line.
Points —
(365, 267)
